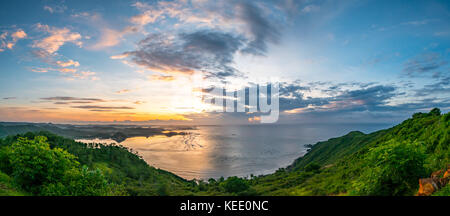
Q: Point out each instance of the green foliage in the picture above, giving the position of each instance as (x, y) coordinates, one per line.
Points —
(34, 164)
(311, 167)
(350, 162)
(435, 112)
(77, 182)
(235, 185)
(7, 188)
(335, 149)
(392, 169)
(39, 169)
(127, 172)
(445, 191)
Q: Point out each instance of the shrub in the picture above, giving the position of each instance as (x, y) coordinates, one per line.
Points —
(235, 185)
(79, 182)
(392, 169)
(311, 167)
(34, 164)
(42, 170)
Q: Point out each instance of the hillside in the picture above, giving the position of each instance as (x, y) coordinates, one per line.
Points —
(125, 172)
(386, 162)
(343, 165)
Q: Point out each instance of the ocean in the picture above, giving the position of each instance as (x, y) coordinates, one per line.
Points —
(215, 151)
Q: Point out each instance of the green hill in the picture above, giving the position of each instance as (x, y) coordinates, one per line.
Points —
(125, 172)
(386, 162)
(396, 157)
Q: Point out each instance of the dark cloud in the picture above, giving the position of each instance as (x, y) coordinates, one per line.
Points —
(103, 107)
(73, 102)
(212, 49)
(207, 51)
(62, 98)
(263, 31)
(9, 98)
(369, 97)
(425, 63)
(440, 87)
(345, 102)
(373, 98)
(365, 97)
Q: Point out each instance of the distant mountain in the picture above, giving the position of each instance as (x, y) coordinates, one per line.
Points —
(116, 132)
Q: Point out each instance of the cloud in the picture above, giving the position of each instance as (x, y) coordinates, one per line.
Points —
(149, 16)
(57, 38)
(258, 22)
(15, 36)
(55, 8)
(262, 30)
(9, 98)
(85, 75)
(205, 37)
(423, 64)
(103, 107)
(69, 73)
(351, 102)
(418, 22)
(122, 56)
(347, 102)
(68, 63)
(207, 51)
(72, 102)
(39, 70)
(440, 87)
(19, 34)
(310, 9)
(161, 78)
(111, 37)
(123, 91)
(66, 98)
(67, 70)
(361, 97)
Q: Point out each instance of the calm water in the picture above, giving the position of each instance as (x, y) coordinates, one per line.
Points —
(215, 151)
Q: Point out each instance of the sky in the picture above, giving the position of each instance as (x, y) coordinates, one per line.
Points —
(153, 62)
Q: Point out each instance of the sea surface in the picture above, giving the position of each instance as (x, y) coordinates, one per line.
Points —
(215, 151)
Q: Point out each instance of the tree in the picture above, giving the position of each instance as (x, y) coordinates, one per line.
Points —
(34, 164)
(392, 169)
(79, 182)
(42, 170)
(435, 112)
(235, 185)
(312, 167)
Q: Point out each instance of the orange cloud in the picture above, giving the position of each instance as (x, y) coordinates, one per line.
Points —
(58, 37)
(254, 119)
(68, 63)
(39, 70)
(67, 70)
(23, 114)
(122, 56)
(149, 16)
(161, 78)
(110, 37)
(14, 37)
(123, 91)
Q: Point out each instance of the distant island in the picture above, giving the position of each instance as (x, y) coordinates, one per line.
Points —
(411, 158)
(119, 133)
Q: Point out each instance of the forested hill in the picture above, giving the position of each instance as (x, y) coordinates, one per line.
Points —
(386, 162)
